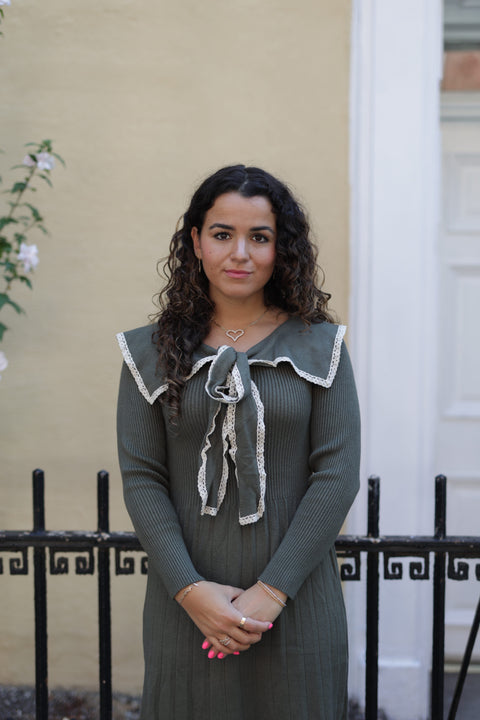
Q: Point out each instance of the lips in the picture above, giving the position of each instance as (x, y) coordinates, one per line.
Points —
(237, 274)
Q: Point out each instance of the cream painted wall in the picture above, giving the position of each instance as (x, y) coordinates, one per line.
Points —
(142, 100)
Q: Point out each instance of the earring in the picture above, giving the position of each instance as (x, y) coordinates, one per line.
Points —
(199, 265)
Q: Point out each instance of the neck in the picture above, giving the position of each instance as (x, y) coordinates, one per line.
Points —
(244, 316)
(238, 311)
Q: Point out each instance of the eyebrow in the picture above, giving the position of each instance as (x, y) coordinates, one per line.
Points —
(253, 229)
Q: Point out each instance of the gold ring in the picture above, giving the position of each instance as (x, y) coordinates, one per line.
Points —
(242, 621)
(226, 641)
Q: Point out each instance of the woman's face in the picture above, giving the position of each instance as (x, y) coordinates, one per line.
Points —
(237, 246)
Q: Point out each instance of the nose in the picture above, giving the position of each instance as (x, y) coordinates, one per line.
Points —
(240, 249)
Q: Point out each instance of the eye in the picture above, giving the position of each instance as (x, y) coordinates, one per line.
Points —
(259, 238)
(223, 235)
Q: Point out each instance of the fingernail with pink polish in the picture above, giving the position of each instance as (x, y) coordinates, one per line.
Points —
(236, 652)
(270, 626)
(211, 654)
(220, 656)
(205, 645)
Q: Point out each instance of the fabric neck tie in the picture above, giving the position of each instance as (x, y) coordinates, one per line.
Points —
(236, 429)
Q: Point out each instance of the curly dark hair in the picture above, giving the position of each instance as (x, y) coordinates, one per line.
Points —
(186, 310)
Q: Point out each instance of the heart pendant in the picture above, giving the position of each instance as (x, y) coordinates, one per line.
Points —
(234, 334)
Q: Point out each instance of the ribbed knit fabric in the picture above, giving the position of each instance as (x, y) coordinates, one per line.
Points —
(299, 669)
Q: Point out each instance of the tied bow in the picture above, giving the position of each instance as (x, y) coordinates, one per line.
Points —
(235, 428)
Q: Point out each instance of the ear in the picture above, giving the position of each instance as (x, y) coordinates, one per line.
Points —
(196, 242)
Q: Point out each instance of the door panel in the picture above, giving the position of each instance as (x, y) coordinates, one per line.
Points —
(458, 416)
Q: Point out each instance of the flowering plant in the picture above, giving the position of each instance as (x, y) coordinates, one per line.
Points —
(18, 257)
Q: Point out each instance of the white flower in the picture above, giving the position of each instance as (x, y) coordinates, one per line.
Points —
(4, 2)
(45, 161)
(28, 255)
(3, 358)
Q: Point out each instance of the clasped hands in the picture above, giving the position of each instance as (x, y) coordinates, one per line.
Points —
(218, 612)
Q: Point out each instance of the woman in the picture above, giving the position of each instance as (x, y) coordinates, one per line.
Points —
(238, 434)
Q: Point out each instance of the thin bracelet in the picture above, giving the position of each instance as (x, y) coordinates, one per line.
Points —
(186, 591)
(272, 594)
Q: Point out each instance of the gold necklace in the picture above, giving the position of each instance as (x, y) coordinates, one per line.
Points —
(235, 334)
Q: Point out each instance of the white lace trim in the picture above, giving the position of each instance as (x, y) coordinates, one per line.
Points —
(226, 432)
(201, 481)
(315, 379)
(134, 370)
(248, 519)
(236, 384)
(199, 364)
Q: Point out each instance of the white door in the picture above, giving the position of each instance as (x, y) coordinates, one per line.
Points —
(458, 416)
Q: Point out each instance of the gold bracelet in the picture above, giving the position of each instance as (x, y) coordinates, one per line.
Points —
(186, 591)
(272, 594)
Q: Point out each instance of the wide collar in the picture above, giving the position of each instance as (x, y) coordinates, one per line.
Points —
(313, 352)
(235, 425)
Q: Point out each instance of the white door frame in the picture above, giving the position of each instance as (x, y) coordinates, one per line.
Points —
(395, 189)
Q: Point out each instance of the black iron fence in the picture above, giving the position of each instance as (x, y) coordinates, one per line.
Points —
(95, 549)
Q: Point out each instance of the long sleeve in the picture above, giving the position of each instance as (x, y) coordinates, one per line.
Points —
(143, 462)
(333, 483)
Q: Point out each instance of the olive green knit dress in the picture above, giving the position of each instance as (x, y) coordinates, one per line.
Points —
(254, 481)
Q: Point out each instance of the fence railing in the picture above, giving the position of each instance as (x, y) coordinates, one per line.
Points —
(95, 549)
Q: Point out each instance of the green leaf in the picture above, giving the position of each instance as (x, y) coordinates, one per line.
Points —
(18, 187)
(46, 178)
(26, 280)
(5, 248)
(6, 221)
(5, 300)
(35, 213)
(2, 330)
(43, 229)
(59, 158)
